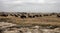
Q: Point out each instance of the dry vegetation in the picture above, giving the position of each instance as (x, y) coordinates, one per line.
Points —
(29, 22)
(29, 19)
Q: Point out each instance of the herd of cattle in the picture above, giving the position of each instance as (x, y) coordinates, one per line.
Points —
(28, 15)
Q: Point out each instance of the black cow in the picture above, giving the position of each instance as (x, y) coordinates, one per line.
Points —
(40, 15)
(16, 15)
(1, 31)
(45, 15)
(23, 16)
(53, 13)
(52, 27)
(21, 31)
(12, 14)
(36, 15)
(31, 16)
(5, 15)
(58, 15)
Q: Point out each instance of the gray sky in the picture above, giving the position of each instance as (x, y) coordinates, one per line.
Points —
(30, 5)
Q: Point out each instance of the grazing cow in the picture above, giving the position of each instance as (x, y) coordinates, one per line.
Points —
(58, 15)
(45, 15)
(23, 16)
(40, 15)
(16, 15)
(12, 14)
(53, 13)
(50, 14)
(1, 31)
(36, 15)
(52, 27)
(31, 16)
(20, 31)
(5, 15)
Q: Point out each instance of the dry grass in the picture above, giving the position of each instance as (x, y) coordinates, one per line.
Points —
(48, 20)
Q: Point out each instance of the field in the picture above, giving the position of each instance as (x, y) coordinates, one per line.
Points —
(44, 20)
(29, 22)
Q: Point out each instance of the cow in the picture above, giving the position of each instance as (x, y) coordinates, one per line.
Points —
(40, 15)
(12, 14)
(5, 15)
(23, 16)
(1, 31)
(52, 27)
(16, 15)
(45, 15)
(20, 31)
(36, 15)
(58, 15)
(53, 13)
(31, 16)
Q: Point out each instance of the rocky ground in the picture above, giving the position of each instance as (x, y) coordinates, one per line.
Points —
(6, 27)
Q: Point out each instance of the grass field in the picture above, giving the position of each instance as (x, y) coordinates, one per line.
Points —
(45, 20)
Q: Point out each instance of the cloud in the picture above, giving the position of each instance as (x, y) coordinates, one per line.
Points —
(12, 2)
(30, 5)
(28, 1)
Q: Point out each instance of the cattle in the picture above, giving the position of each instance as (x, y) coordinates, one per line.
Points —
(19, 14)
(52, 27)
(20, 31)
(31, 16)
(1, 31)
(12, 14)
(16, 15)
(58, 15)
(5, 15)
(45, 15)
(50, 14)
(40, 15)
(53, 13)
(23, 16)
(36, 15)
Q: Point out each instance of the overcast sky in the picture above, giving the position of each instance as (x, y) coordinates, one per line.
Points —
(30, 5)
